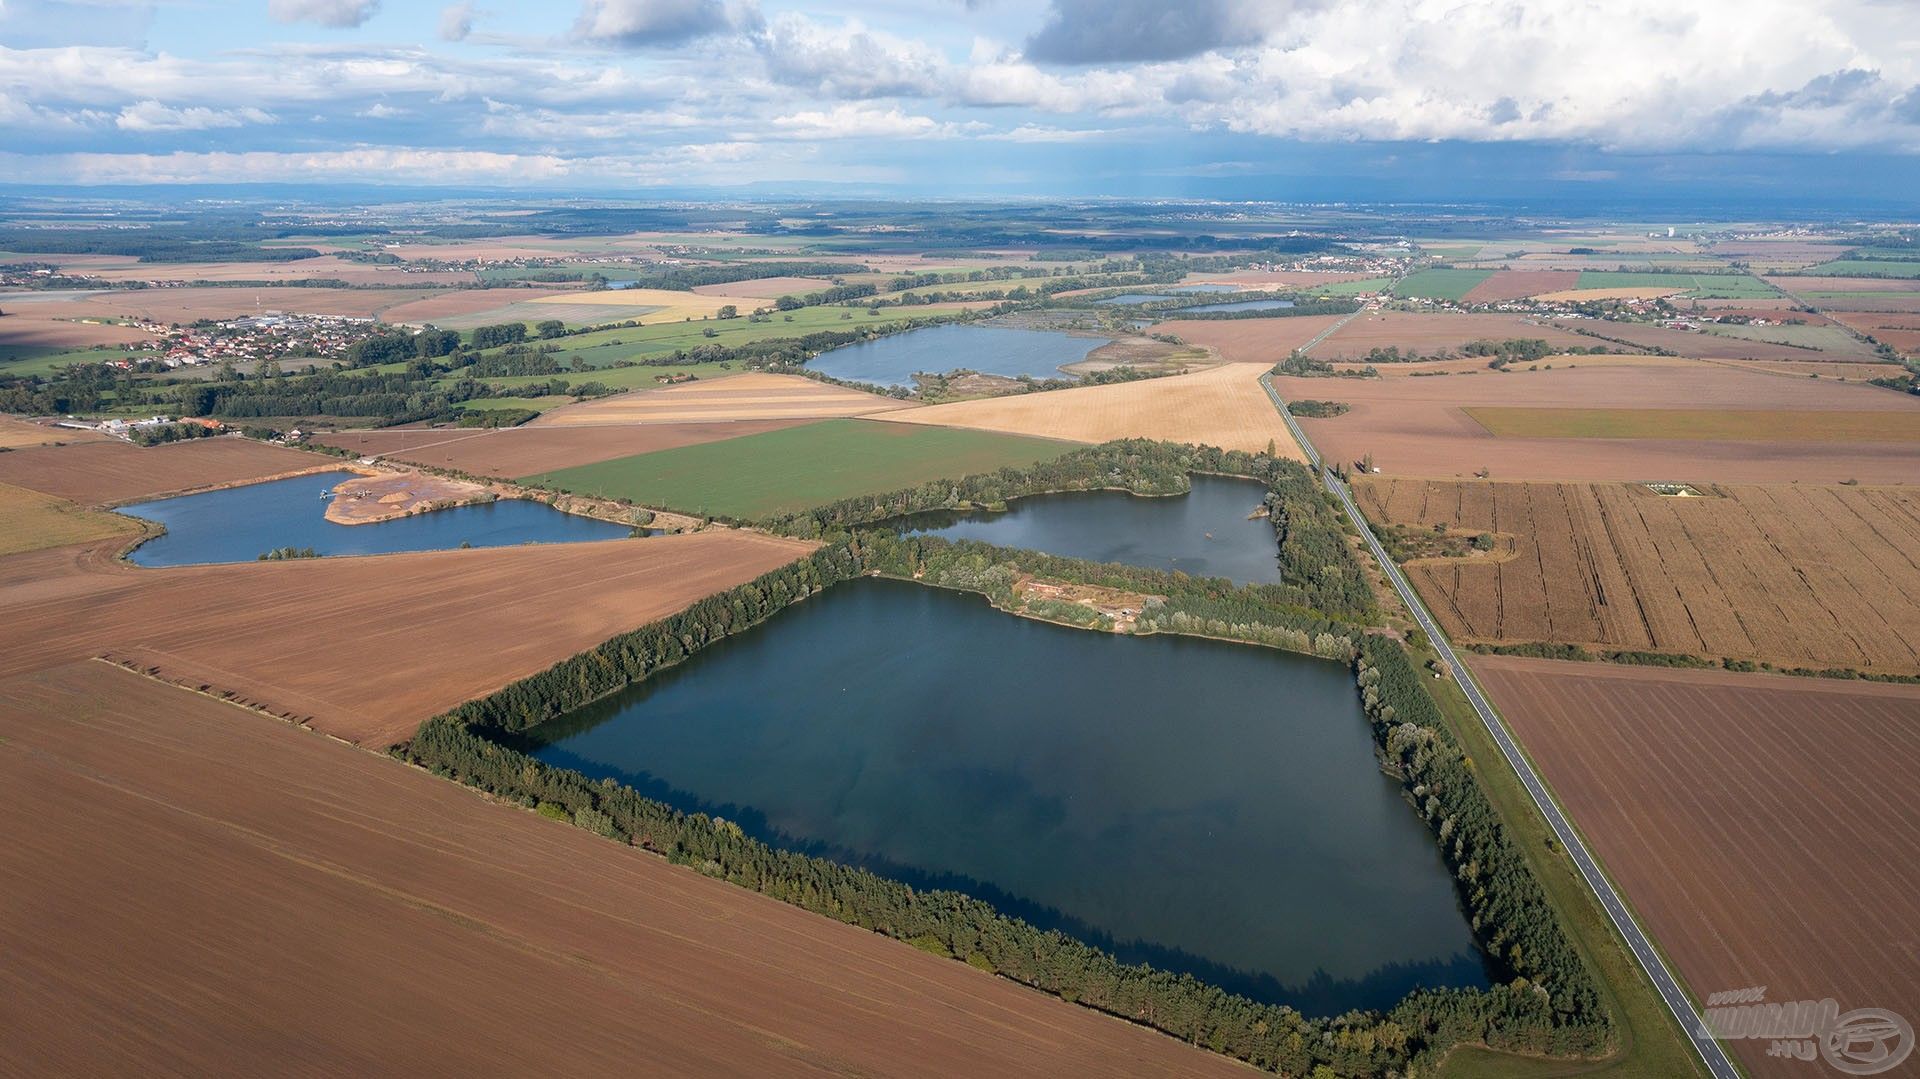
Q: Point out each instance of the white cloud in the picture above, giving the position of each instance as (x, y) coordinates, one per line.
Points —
(650, 22)
(848, 61)
(337, 13)
(859, 121)
(456, 21)
(152, 116)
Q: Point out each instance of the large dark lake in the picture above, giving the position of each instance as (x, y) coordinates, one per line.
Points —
(1205, 533)
(993, 350)
(239, 524)
(1203, 806)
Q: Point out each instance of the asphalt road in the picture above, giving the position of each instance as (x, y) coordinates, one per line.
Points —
(1710, 1051)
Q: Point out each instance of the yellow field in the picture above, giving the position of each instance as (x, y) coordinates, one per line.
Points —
(1575, 295)
(30, 521)
(19, 434)
(1222, 406)
(673, 306)
(742, 397)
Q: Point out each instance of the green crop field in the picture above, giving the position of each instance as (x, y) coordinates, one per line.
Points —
(1440, 284)
(1349, 288)
(1864, 268)
(1701, 286)
(18, 360)
(782, 471)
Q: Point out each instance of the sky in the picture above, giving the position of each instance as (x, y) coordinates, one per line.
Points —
(1814, 100)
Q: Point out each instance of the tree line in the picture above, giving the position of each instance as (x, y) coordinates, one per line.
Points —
(1544, 1001)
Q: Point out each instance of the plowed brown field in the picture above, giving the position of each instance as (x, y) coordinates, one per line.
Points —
(740, 397)
(1222, 406)
(1418, 426)
(1519, 284)
(188, 304)
(512, 452)
(191, 889)
(21, 335)
(447, 305)
(1692, 343)
(1794, 575)
(1250, 340)
(102, 473)
(1766, 830)
(363, 648)
(1429, 334)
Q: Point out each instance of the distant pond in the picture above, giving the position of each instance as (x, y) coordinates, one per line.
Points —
(1205, 533)
(1202, 806)
(993, 350)
(239, 524)
(1240, 305)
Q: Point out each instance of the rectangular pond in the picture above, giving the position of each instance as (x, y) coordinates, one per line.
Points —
(239, 524)
(992, 350)
(1204, 533)
(1241, 305)
(1203, 806)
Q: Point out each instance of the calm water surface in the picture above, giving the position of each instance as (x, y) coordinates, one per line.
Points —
(1243, 305)
(240, 524)
(993, 350)
(1202, 806)
(1205, 533)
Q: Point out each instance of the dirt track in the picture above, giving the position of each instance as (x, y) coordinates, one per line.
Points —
(363, 648)
(1765, 829)
(191, 889)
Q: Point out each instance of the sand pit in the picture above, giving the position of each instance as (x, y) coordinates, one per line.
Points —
(372, 499)
(751, 396)
(1418, 426)
(1250, 340)
(1807, 888)
(109, 472)
(363, 648)
(1428, 334)
(511, 452)
(1221, 406)
(191, 889)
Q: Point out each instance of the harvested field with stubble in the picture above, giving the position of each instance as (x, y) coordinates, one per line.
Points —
(105, 473)
(1420, 427)
(766, 288)
(1222, 406)
(1429, 334)
(363, 648)
(462, 304)
(20, 434)
(1763, 828)
(1713, 425)
(253, 897)
(512, 452)
(31, 521)
(22, 335)
(1794, 575)
(189, 304)
(751, 396)
(1249, 340)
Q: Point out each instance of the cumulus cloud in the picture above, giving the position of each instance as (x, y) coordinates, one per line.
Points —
(634, 23)
(456, 21)
(848, 61)
(337, 13)
(1109, 31)
(856, 121)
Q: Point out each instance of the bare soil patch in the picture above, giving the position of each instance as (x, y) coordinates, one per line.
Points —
(1689, 342)
(1418, 426)
(292, 899)
(1794, 575)
(1221, 406)
(371, 499)
(1519, 284)
(752, 396)
(22, 334)
(1250, 340)
(104, 473)
(363, 648)
(511, 452)
(1427, 334)
(1675, 778)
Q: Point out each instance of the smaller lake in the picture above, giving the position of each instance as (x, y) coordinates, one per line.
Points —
(1204, 533)
(993, 350)
(1242, 305)
(240, 524)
